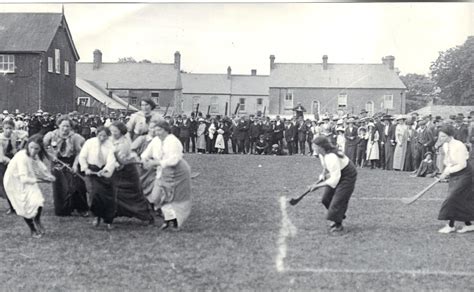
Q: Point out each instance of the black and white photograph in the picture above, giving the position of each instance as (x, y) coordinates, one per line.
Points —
(237, 146)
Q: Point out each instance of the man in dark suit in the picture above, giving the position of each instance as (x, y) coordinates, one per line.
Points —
(242, 135)
(193, 126)
(351, 140)
(424, 143)
(380, 128)
(278, 128)
(302, 133)
(289, 134)
(185, 132)
(388, 140)
(254, 133)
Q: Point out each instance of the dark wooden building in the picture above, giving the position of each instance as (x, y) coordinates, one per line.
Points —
(37, 63)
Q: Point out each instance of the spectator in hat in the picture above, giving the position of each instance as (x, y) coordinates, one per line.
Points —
(388, 141)
(401, 136)
(299, 110)
(350, 134)
(289, 134)
(461, 129)
(424, 142)
(427, 166)
(372, 145)
(261, 146)
(302, 133)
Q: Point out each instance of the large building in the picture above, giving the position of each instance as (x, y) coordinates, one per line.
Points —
(136, 81)
(218, 94)
(37, 62)
(328, 87)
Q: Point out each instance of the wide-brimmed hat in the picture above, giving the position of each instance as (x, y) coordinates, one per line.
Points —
(428, 153)
(5, 112)
(371, 125)
(325, 118)
(400, 117)
(340, 129)
(364, 111)
(387, 118)
(351, 120)
(340, 122)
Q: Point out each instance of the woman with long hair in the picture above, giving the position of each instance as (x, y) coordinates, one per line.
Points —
(69, 190)
(125, 178)
(172, 190)
(24, 172)
(338, 177)
(459, 206)
(97, 155)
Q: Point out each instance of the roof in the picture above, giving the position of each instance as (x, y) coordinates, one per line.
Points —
(305, 75)
(206, 83)
(101, 94)
(444, 110)
(31, 32)
(250, 85)
(131, 75)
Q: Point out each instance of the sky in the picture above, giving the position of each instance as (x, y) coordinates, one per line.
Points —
(212, 36)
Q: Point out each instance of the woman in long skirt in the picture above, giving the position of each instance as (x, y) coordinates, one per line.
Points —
(69, 190)
(24, 172)
(201, 136)
(8, 148)
(373, 154)
(339, 177)
(97, 155)
(401, 136)
(459, 206)
(172, 190)
(147, 176)
(126, 179)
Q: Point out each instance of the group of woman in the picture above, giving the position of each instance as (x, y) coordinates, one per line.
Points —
(109, 175)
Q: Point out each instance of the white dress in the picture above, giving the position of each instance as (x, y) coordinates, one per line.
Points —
(25, 198)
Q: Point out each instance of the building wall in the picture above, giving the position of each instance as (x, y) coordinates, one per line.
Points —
(328, 98)
(166, 97)
(204, 101)
(59, 88)
(251, 106)
(20, 90)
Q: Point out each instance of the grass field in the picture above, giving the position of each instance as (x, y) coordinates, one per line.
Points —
(243, 236)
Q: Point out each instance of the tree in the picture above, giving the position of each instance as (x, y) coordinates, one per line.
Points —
(421, 90)
(453, 73)
(127, 60)
(145, 61)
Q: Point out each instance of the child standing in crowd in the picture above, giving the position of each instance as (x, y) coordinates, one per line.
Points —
(220, 145)
(341, 139)
(361, 146)
(24, 172)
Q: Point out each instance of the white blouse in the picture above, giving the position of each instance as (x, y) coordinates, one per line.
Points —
(334, 165)
(168, 152)
(456, 156)
(94, 153)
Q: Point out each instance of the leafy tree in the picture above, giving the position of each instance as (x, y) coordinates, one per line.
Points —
(453, 73)
(421, 90)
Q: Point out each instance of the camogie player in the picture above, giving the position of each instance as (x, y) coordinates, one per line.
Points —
(339, 182)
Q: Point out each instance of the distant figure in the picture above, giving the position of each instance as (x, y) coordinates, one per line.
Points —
(427, 167)
(299, 109)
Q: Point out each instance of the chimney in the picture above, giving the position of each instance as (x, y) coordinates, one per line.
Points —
(272, 62)
(97, 59)
(325, 62)
(389, 61)
(177, 60)
(229, 72)
(253, 72)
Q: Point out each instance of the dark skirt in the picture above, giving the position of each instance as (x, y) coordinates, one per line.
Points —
(336, 200)
(103, 202)
(459, 206)
(69, 191)
(3, 168)
(128, 191)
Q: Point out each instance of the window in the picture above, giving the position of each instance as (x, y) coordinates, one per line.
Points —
(388, 101)
(289, 95)
(315, 107)
(214, 105)
(259, 101)
(288, 104)
(50, 65)
(242, 104)
(66, 68)
(369, 106)
(155, 96)
(83, 101)
(57, 60)
(7, 63)
(342, 100)
(195, 103)
(133, 100)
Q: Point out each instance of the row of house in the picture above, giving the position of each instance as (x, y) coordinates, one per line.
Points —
(38, 60)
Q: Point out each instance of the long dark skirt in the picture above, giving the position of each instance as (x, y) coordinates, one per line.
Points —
(128, 191)
(336, 200)
(459, 206)
(69, 191)
(104, 202)
(3, 194)
(409, 165)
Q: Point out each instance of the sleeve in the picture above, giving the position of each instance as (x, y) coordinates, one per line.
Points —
(458, 155)
(148, 152)
(334, 169)
(131, 123)
(111, 163)
(173, 153)
(47, 139)
(83, 156)
(78, 142)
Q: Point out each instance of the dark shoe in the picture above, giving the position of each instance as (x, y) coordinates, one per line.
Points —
(159, 213)
(172, 224)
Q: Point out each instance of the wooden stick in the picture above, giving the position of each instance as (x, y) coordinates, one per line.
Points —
(410, 200)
